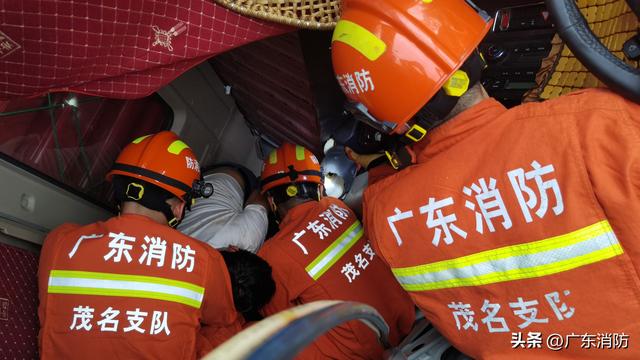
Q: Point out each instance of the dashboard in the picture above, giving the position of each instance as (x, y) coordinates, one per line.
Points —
(514, 49)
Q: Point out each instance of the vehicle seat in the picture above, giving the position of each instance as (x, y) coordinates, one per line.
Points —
(424, 342)
(561, 73)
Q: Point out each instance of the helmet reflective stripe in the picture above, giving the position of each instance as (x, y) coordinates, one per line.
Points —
(176, 147)
(289, 164)
(289, 175)
(273, 157)
(359, 38)
(161, 159)
(299, 152)
(139, 140)
(425, 44)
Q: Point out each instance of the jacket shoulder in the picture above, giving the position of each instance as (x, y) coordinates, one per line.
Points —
(579, 102)
(70, 229)
(196, 244)
(328, 201)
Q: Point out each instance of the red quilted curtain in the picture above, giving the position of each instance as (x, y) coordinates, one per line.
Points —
(113, 48)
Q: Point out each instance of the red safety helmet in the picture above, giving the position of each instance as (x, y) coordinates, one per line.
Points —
(161, 159)
(392, 56)
(290, 164)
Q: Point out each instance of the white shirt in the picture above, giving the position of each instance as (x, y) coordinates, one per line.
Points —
(221, 220)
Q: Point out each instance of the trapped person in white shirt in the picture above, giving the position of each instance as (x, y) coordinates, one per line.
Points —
(230, 217)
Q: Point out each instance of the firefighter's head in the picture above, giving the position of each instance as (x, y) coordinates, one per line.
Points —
(159, 172)
(403, 64)
(291, 172)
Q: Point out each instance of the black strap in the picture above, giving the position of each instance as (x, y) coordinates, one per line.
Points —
(377, 162)
(292, 174)
(439, 106)
(151, 196)
(153, 175)
(433, 113)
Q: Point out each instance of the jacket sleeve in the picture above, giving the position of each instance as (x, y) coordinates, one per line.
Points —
(380, 172)
(247, 229)
(219, 318)
(218, 309)
(48, 253)
(610, 143)
(210, 337)
(369, 223)
(284, 297)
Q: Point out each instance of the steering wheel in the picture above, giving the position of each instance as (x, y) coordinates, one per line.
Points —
(575, 32)
(635, 6)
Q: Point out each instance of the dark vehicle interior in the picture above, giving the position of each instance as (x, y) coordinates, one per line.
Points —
(237, 106)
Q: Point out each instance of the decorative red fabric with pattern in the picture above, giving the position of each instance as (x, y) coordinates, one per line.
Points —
(18, 303)
(113, 48)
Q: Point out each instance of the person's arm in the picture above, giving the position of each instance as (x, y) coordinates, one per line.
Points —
(223, 220)
(50, 247)
(255, 198)
(218, 309)
(210, 337)
(610, 143)
(363, 160)
(234, 173)
(251, 223)
(248, 229)
(283, 298)
(376, 165)
(219, 320)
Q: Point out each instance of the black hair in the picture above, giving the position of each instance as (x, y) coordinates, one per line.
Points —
(303, 190)
(251, 282)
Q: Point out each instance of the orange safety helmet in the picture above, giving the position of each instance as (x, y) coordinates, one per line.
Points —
(290, 164)
(161, 159)
(392, 56)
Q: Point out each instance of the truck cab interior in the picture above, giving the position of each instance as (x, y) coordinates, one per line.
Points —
(58, 141)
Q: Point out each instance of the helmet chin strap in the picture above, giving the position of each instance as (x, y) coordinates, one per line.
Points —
(159, 203)
(282, 194)
(172, 220)
(155, 200)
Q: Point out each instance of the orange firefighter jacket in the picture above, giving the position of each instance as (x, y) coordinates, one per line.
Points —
(517, 230)
(321, 253)
(379, 172)
(129, 288)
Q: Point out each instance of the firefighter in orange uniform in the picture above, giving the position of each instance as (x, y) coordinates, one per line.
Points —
(131, 286)
(515, 231)
(321, 253)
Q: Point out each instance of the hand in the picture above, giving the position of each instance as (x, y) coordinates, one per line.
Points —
(256, 198)
(231, 248)
(361, 159)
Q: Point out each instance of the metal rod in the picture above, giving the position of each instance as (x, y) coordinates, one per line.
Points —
(56, 141)
(40, 108)
(83, 154)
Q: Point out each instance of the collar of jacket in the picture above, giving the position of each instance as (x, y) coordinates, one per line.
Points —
(138, 217)
(298, 212)
(477, 116)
